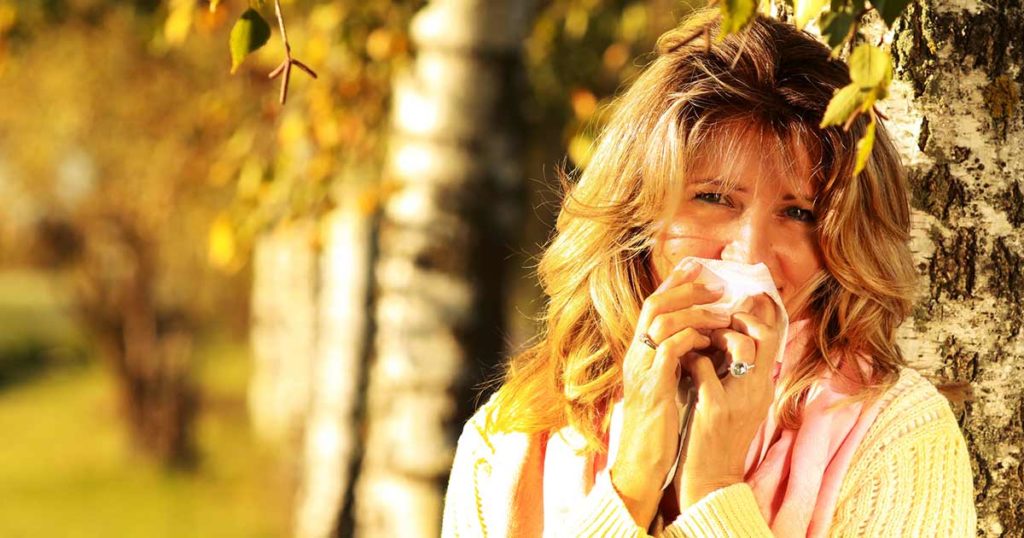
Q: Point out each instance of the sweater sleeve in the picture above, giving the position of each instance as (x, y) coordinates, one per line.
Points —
(602, 514)
(473, 508)
(919, 484)
(731, 511)
(913, 477)
(463, 510)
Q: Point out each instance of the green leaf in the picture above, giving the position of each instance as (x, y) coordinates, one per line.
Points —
(871, 73)
(864, 146)
(249, 34)
(846, 103)
(805, 10)
(735, 15)
(835, 23)
(871, 67)
(889, 9)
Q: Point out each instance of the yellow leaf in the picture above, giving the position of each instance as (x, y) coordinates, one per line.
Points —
(634, 22)
(179, 21)
(221, 243)
(8, 16)
(846, 103)
(864, 146)
(576, 22)
(584, 103)
(378, 44)
(735, 15)
(871, 67)
(580, 148)
(805, 10)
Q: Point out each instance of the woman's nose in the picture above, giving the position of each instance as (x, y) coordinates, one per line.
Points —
(749, 242)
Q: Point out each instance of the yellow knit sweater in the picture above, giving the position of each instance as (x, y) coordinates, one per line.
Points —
(911, 476)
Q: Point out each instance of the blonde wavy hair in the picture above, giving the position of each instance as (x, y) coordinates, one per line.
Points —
(596, 269)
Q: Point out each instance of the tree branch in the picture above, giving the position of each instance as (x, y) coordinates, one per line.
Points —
(286, 65)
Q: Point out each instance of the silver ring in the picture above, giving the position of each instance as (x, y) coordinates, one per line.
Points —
(647, 340)
(738, 369)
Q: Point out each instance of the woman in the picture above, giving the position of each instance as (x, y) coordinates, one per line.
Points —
(714, 154)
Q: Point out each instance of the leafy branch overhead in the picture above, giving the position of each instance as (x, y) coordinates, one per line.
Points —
(839, 22)
(251, 32)
(247, 35)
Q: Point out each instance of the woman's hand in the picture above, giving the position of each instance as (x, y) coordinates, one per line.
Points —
(729, 411)
(650, 425)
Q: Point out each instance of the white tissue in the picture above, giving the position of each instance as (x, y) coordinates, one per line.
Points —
(742, 282)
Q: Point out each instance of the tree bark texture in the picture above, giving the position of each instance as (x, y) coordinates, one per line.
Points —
(311, 321)
(956, 113)
(444, 238)
(332, 432)
(283, 330)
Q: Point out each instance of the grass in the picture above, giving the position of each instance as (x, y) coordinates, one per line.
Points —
(67, 468)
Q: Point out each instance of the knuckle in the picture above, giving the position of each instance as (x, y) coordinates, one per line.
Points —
(655, 303)
(656, 330)
(682, 342)
(659, 356)
(694, 291)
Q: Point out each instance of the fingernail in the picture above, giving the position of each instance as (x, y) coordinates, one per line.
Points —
(715, 286)
(687, 267)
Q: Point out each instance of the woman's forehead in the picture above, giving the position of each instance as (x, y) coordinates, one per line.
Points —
(738, 155)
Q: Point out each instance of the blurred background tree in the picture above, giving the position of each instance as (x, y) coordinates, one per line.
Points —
(108, 137)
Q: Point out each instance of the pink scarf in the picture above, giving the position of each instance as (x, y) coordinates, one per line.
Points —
(795, 475)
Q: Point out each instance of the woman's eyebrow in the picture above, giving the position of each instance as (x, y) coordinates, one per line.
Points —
(719, 183)
(789, 197)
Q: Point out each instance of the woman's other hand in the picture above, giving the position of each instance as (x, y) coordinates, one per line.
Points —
(650, 435)
(728, 411)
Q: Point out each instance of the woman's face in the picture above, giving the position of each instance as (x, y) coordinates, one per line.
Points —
(764, 219)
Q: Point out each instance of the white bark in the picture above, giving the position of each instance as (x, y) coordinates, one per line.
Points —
(956, 113)
(283, 331)
(332, 432)
(454, 157)
(309, 336)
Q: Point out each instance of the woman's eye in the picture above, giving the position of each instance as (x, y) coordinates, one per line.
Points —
(801, 214)
(711, 197)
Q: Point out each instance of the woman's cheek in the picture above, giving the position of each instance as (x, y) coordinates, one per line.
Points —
(676, 248)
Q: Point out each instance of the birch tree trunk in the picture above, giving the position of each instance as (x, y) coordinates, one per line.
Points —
(283, 331)
(956, 113)
(444, 236)
(311, 294)
(332, 432)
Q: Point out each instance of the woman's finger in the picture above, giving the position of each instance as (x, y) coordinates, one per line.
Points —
(765, 338)
(681, 273)
(765, 310)
(684, 272)
(665, 325)
(738, 346)
(683, 295)
(702, 370)
(671, 351)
